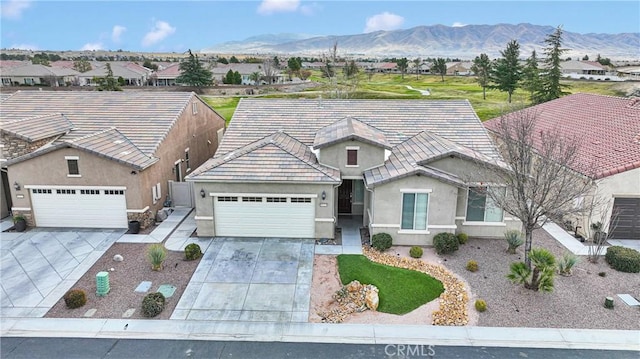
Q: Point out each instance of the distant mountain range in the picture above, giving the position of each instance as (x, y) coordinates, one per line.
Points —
(464, 42)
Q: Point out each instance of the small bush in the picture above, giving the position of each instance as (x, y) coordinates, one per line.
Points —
(381, 241)
(567, 262)
(602, 274)
(415, 252)
(445, 243)
(481, 305)
(462, 238)
(156, 255)
(192, 252)
(514, 239)
(472, 266)
(623, 259)
(75, 298)
(153, 304)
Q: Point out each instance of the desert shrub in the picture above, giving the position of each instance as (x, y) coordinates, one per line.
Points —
(481, 305)
(623, 259)
(381, 241)
(415, 252)
(192, 251)
(472, 266)
(541, 277)
(602, 274)
(152, 304)
(567, 262)
(156, 255)
(608, 302)
(75, 298)
(515, 240)
(462, 238)
(445, 243)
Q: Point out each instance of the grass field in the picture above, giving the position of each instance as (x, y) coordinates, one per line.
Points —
(392, 86)
(400, 290)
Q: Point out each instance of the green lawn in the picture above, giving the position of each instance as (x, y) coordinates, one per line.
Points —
(400, 290)
(393, 86)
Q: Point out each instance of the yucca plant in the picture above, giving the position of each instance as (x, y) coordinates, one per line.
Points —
(567, 262)
(515, 239)
(156, 255)
(540, 278)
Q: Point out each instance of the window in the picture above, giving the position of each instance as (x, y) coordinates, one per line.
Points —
(414, 211)
(358, 191)
(156, 192)
(114, 192)
(186, 159)
(89, 191)
(227, 199)
(41, 191)
(251, 199)
(66, 191)
(72, 165)
(194, 108)
(300, 200)
(352, 157)
(481, 208)
(276, 199)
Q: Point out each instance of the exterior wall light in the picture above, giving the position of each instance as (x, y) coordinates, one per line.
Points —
(202, 193)
(324, 195)
(16, 185)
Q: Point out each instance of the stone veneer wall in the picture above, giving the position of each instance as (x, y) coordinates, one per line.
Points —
(28, 216)
(146, 218)
(15, 147)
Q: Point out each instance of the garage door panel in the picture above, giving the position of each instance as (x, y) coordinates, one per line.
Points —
(627, 223)
(74, 208)
(263, 219)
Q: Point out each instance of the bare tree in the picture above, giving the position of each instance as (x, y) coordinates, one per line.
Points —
(269, 70)
(542, 183)
(599, 227)
(417, 66)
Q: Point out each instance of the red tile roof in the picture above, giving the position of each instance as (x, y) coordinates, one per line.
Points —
(608, 128)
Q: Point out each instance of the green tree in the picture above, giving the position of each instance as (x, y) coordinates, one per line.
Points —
(531, 75)
(148, 64)
(237, 78)
(294, 64)
(276, 62)
(482, 69)
(417, 65)
(40, 59)
(439, 67)
(82, 65)
(222, 60)
(255, 77)
(507, 71)
(403, 64)
(540, 278)
(585, 58)
(550, 86)
(351, 69)
(193, 73)
(228, 78)
(108, 83)
(233, 60)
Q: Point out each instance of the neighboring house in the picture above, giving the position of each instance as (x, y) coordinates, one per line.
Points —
(290, 167)
(167, 76)
(609, 130)
(98, 159)
(245, 70)
(588, 70)
(132, 75)
(459, 68)
(38, 75)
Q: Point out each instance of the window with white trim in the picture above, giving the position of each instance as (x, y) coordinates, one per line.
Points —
(194, 108)
(414, 211)
(156, 192)
(300, 200)
(352, 157)
(480, 206)
(72, 166)
(187, 162)
(113, 192)
(276, 199)
(251, 199)
(227, 199)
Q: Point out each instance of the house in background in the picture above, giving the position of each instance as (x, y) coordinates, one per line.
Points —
(292, 167)
(132, 74)
(99, 159)
(38, 75)
(609, 129)
(166, 76)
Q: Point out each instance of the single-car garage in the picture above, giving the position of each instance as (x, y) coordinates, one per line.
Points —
(255, 215)
(627, 223)
(79, 207)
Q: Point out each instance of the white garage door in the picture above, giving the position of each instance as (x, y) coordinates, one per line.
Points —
(263, 216)
(83, 207)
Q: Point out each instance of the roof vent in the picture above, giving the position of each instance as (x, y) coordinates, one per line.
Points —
(634, 103)
(125, 152)
(117, 142)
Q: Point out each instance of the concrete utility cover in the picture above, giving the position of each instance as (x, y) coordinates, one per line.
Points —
(167, 290)
(628, 299)
(143, 286)
(128, 313)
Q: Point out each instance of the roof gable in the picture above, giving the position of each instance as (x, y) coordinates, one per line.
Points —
(38, 127)
(608, 128)
(275, 158)
(349, 129)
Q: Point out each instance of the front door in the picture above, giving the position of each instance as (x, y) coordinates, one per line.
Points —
(177, 171)
(345, 194)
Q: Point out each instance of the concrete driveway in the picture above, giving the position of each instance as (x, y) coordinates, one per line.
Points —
(262, 280)
(37, 267)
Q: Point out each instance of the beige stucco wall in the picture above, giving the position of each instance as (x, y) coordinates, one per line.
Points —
(336, 156)
(467, 171)
(387, 209)
(325, 220)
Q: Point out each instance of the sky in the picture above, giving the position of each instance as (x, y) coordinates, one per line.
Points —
(176, 26)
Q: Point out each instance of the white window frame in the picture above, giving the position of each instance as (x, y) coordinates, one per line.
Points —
(156, 192)
(353, 148)
(194, 108)
(487, 198)
(73, 158)
(413, 230)
(187, 159)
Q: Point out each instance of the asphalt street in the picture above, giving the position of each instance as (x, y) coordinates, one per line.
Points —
(72, 348)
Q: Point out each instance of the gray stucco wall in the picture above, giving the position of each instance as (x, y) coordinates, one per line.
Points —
(325, 220)
(336, 156)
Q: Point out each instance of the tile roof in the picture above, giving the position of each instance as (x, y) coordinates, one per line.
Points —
(38, 127)
(142, 119)
(399, 120)
(119, 70)
(348, 129)
(414, 155)
(277, 157)
(38, 71)
(608, 128)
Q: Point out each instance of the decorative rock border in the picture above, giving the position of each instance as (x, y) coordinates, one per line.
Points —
(453, 301)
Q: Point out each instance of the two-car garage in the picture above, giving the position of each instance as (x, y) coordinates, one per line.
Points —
(84, 207)
(260, 215)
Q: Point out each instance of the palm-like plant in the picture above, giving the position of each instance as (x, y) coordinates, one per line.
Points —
(255, 77)
(156, 255)
(515, 239)
(540, 278)
(567, 262)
